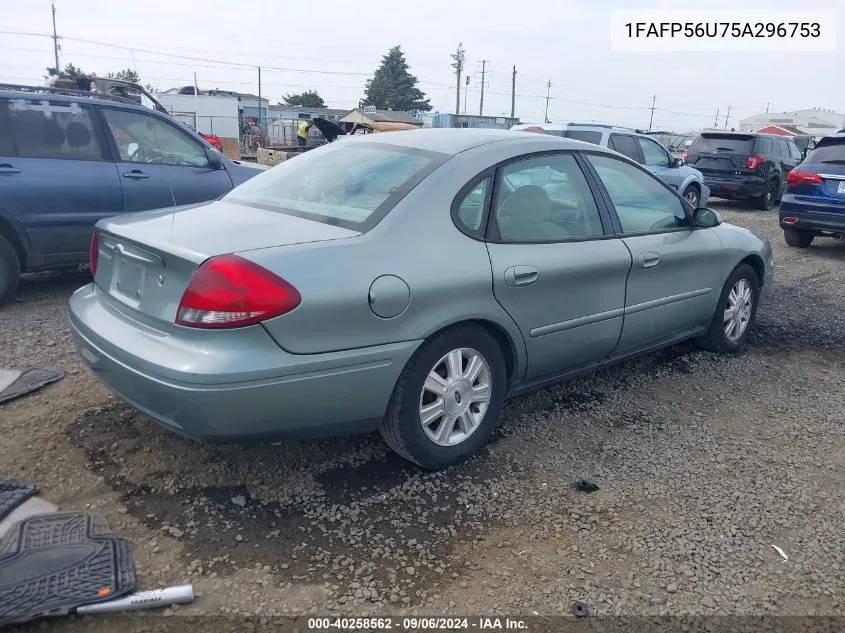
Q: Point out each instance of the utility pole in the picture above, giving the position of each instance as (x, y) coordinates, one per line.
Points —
(459, 57)
(768, 104)
(548, 94)
(260, 109)
(513, 92)
(55, 39)
(651, 118)
(716, 122)
(727, 116)
(483, 73)
(466, 93)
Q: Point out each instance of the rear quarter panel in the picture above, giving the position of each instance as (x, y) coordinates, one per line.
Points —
(448, 273)
(738, 244)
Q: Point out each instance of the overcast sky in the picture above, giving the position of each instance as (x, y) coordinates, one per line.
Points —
(334, 49)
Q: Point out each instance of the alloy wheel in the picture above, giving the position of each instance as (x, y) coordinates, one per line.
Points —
(738, 310)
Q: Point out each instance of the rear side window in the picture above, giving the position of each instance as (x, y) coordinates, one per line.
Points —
(794, 152)
(7, 148)
(715, 143)
(783, 148)
(764, 146)
(584, 135)
(833, 154)
(350, 184)
(625, 145)
(53, 129)
(470, 210)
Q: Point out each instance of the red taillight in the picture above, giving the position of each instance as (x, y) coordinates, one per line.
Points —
(94, 253)
(790, 220)
(685, 156)
(803, 178)
(230, 291)
(754, 162)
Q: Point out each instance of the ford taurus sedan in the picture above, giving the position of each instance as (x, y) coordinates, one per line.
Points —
(408, 283)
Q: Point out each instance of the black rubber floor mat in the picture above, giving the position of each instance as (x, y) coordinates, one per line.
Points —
(12, 494)
(53, 563)
(30, 380)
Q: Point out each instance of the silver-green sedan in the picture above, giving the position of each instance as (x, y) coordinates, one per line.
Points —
(408, 282)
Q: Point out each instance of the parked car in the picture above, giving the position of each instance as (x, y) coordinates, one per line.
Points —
(646, 151)
(814, 202)
(69, 158)
(406, 282)
(744, 165)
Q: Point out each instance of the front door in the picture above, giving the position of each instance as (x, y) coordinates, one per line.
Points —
(674, 284)
(555, 270)
(160, 165)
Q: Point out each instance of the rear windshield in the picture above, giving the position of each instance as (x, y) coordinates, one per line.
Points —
(715, 143)
(833, 153)
(584, 135)
(352, 184)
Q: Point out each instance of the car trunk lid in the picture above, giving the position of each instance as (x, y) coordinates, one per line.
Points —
(146, 261)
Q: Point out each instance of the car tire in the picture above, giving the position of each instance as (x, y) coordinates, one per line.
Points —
(767, 200)
(10, 271)
(402, 427)
(797, 238)
(692, 192)
(717, 338)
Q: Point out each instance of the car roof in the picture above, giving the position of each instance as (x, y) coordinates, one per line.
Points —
(831, 139)
(70, 96)
(453, 141)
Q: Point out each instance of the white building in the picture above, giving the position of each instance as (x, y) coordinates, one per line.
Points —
(216, 115)
(814, 121)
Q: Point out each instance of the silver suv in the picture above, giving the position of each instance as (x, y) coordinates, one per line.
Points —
(642, 149)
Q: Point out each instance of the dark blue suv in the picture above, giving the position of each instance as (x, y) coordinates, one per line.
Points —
(69, 158)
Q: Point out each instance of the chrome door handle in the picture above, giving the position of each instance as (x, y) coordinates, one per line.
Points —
(521, 275)
(135, 173)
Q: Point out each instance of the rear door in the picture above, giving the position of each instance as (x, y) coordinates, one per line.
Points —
(721, 155)
(59, 179)
(160, 165)
(673, 284)
(557, 269)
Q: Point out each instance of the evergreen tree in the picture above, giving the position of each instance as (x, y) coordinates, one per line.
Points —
(393, 87)
(307, 99)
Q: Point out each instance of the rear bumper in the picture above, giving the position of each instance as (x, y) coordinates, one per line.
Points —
(287, 396)
(819, 219)
(735, 187)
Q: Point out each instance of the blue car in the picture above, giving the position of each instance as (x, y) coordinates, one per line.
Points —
(69, 158)
(814, 202)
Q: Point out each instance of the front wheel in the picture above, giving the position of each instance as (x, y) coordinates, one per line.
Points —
(735, 312)
(797, 238)
(447, 399)
(692, 196)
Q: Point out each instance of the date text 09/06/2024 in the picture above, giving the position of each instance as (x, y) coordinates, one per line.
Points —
(416, 624)
(724, 29)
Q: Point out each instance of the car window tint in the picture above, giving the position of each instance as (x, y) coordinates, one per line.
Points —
(587, 136)
(714, 143)
(345, 184)
(7, 147)
(546, 198)
(625, 145)
(783, 148)
(832, 152)
(653, 154)
(764, 146)
(53, 129)
(471, 208)
(642, 203)
(141, 138)
(794, 152)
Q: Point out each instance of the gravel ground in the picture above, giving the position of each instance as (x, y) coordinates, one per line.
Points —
(703, 462)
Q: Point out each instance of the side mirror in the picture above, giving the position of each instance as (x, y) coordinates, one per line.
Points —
(677, 162)
(215, 160)
(705, 218)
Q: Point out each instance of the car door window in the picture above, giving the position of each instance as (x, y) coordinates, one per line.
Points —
(470, 208)
(625, 145)
(653, 154)
(642, 203)
(545, 198)
(783, 148)
(794, 152)
(141, 138)
(53, 129)
(7, 147)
